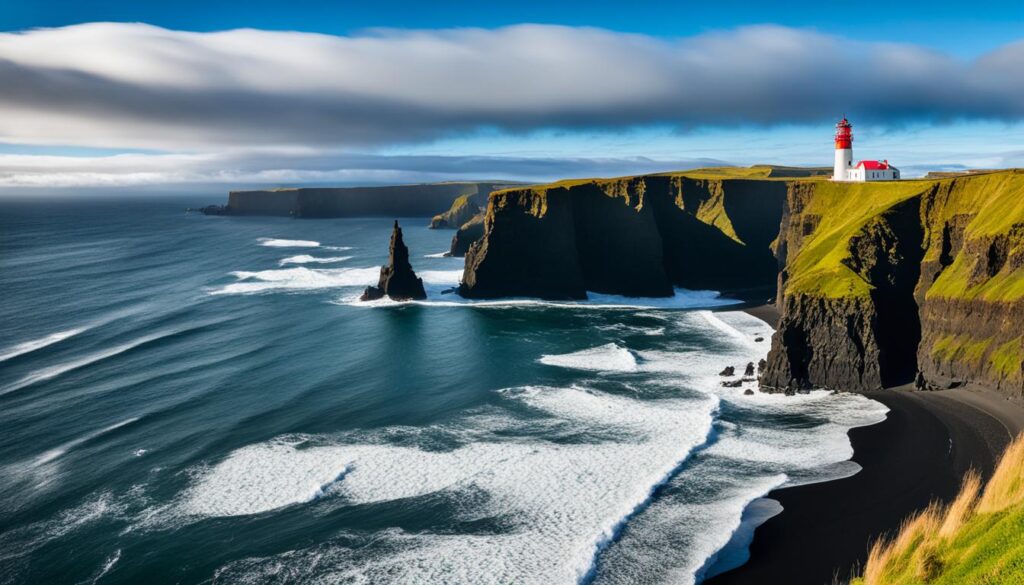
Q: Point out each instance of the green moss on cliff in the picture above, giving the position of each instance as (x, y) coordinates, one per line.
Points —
(960, 347)
(992, 205)
(1008, 357)
(845, 210)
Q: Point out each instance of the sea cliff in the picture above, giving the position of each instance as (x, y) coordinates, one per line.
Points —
(877, 283)
(634, 236)
(390, 201)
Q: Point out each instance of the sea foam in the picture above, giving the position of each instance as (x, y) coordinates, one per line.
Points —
(298, 278)
(307, 259)
(606, 358)
(35, 344)
(565, 500)
(277, 243)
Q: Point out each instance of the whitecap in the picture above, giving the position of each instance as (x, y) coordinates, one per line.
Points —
(307, 259)
(277, 243)
(606, 358)
(60, 450)
(33, 345)
(565, 500)
(445, 254)
(299, 278)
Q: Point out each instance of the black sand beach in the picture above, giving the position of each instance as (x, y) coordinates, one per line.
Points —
(918, 454)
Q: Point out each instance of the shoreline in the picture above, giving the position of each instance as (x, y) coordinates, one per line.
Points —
(920, 453)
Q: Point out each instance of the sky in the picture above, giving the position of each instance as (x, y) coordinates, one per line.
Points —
(213, 95)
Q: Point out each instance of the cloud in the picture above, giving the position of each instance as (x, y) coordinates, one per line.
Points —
(222, 171)
(139, 86)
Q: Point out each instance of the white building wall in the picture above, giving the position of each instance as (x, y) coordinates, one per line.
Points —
(862, 175)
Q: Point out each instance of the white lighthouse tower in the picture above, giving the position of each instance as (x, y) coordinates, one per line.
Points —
(865, 170)
(844, 151)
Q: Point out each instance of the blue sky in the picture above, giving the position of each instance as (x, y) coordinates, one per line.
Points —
(411, 91)
(962, 28)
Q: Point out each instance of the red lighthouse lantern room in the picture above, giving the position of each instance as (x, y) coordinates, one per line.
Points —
(844, 134)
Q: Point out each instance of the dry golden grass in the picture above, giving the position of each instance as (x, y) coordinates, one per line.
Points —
(915, 554)
(1006, 487)
(963, 506)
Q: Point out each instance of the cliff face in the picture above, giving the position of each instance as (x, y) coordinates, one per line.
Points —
(470, 232)
(637, 236)
(392, 201)
(463, 209)
(880, 281)
(877, 283)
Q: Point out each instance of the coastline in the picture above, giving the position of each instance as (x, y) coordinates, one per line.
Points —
(928, 441)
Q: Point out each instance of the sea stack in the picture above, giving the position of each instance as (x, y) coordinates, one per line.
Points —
(397, 279)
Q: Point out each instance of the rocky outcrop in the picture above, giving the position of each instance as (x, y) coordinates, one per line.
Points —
(397, 280)
(858, 340)
(463, 209)
(468, 233)
(637, 236)
(917, 280)
(389, 201)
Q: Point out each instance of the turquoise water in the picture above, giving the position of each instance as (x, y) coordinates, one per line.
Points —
(187, 399)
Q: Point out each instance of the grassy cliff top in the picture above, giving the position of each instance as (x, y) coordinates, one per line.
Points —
(994, 204)
(759, 172)
(845, 210)
(989, 205)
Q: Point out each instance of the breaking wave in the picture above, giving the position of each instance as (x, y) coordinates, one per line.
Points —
(30, 346)
(307, 259)
(299, 278)
(276, 243)
(607, 358)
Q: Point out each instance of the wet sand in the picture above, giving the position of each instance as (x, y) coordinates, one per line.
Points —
(918, 454)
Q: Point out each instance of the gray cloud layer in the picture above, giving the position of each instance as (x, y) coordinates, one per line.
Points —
(246, 168)
(133, 85)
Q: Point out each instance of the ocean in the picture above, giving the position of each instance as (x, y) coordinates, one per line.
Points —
(193, 399)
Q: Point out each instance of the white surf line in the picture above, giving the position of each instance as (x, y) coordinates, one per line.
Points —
(60, 450)
(281, 243)
(307, 259)
(107, 565)
(30, 346)
(61, 369)
(609, 538)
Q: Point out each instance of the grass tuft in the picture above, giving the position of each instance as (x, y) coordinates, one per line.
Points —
(977, 539)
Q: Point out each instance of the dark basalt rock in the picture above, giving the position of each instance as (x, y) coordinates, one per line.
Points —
(397, 279)
(758, 339)
(761, 365)
(749, 371)
(855, 343)
(748, 392)
(728, 371)
(732, 383)
(638, 237)
(469, 233)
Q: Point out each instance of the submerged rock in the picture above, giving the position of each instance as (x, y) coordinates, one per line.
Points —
(397, 280)
(732, 383)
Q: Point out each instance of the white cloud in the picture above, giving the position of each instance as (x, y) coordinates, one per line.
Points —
(227, 96)
(134, 85)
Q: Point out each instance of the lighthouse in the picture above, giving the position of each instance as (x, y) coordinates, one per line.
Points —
(865, 170)
(844, 151)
